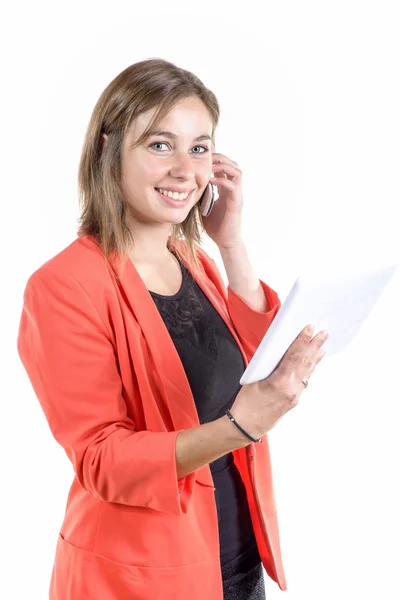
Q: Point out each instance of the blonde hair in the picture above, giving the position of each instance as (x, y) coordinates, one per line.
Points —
(152, 83)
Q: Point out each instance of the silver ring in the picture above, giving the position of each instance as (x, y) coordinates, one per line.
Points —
(305, 382)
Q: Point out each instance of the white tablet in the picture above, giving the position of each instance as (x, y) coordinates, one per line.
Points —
(337, 303)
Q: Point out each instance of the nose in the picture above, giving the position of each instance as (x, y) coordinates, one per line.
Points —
(182, 166)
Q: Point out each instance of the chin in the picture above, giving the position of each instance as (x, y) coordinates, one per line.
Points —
(179, 218)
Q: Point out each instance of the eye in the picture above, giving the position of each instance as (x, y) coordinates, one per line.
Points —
(158, 144)
(204, 148)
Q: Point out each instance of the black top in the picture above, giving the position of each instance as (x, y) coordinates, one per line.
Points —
(214, 364)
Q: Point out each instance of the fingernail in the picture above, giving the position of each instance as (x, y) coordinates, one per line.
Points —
(310, 329)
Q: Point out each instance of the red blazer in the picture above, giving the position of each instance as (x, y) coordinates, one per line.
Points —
(115, 395)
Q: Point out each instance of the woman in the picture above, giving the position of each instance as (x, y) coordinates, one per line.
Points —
(135, 349)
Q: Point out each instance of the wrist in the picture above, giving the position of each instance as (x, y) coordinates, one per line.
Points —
(241, 429)
(234, 438)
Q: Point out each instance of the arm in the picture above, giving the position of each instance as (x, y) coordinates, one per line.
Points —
(241, 278)
(201, 445)
(70, 360)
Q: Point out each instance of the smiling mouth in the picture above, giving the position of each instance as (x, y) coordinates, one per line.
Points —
(173, 202)
(161, 190)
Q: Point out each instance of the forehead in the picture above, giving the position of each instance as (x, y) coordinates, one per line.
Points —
(187, 118)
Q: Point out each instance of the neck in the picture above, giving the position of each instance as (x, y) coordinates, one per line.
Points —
(150, 244)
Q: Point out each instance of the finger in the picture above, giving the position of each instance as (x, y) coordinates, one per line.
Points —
(311, 357)
(319, 356)
(224, 182)
(228, 170)
(295, 352)
(222, 158)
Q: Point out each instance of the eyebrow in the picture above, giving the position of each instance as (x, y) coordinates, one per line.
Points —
(171, 135)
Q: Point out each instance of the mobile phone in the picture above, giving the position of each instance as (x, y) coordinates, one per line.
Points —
(207, 201)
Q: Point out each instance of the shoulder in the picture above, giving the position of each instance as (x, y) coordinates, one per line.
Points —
(81, 263)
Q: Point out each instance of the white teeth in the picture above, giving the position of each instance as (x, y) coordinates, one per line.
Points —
(173, 195)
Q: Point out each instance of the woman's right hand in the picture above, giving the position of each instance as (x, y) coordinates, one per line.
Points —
(260, 405)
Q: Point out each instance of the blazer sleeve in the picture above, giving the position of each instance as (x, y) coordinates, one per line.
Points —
(249, 324)
(70, 360)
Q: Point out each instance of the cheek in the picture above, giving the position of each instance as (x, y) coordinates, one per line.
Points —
(141, 166)
(154, 171)
(204, 172)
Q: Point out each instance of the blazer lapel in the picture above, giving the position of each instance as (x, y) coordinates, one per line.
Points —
(177, 391)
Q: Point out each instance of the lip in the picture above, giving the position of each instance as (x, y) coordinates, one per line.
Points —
(176, 203)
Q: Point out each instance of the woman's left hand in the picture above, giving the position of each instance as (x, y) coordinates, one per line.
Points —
(224, 223)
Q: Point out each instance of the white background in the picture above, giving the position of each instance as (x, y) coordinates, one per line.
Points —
(310, 98)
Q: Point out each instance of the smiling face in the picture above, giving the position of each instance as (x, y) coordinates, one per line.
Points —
(178, 161)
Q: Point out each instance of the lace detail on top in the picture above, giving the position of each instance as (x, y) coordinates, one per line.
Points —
(184, 315)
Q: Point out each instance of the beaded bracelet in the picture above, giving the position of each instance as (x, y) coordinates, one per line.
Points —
(231, 417)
